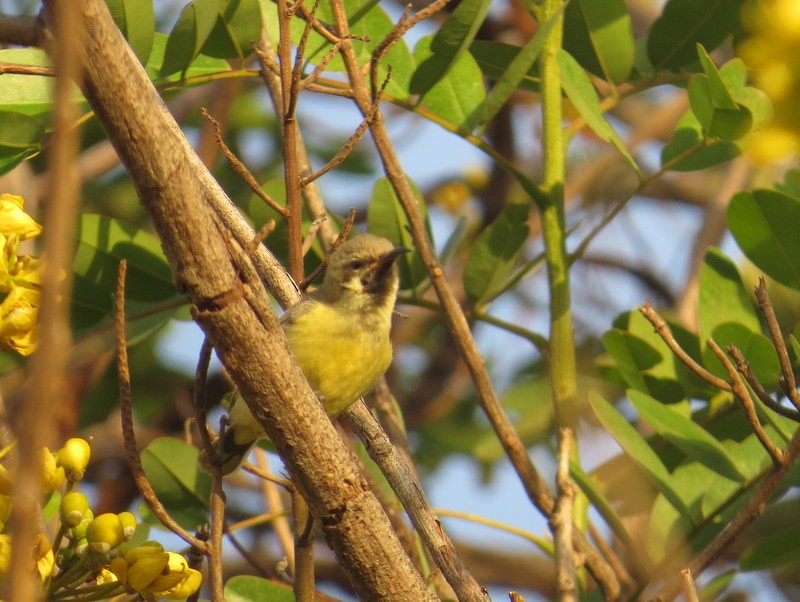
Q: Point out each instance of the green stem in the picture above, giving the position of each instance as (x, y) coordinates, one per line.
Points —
(562, 345)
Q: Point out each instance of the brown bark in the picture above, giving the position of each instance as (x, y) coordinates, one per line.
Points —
(232, 308)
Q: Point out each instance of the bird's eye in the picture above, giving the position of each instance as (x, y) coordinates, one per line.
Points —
(356, 264)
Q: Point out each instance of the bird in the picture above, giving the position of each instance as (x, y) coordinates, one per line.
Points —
(339, 335)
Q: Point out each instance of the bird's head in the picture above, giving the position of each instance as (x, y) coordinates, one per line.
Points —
(363, 271)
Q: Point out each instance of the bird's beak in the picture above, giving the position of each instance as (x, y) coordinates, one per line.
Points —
(387, 259)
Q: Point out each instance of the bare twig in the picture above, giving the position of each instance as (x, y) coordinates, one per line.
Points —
(743, 366)
(308, 239)
(743, 395)
(213, 549)
(26, 70)
(688, 586)
(561, 523)
(398, 31)
(303, 549)
(410, 494)
(348, 146)
(666, 335)
(240, 167)
(340, 239)
(515, 597)
(788, 381)
(274, 503)
(126, 413)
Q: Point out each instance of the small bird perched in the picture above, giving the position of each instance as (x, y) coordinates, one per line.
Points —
(339, 336)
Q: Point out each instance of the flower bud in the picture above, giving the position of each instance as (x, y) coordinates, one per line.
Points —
(105, 533)
(119, 567)
(79, 530)
(128, 521)
(73, 506)
(181, 581)
(52, 474)
(74, 457)
(81, 547)
(148, 566)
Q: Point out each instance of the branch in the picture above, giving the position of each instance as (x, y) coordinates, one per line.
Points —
(233, 309)
(561, 523)
(20, 30)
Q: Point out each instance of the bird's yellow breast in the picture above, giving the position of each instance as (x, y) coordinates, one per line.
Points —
(341, 352)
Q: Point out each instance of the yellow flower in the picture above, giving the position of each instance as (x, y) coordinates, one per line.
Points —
(52, 474)
(181, 582)
(13, 220)
(18, 313)
(108, 575)
(6, 482)
(43, 555)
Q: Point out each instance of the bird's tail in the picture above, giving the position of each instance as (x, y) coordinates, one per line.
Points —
(238, 438)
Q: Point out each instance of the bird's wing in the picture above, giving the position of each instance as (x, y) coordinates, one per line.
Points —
(295, 311)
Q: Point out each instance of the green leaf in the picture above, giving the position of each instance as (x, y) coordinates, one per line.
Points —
(638, 450)
(458, 96)
(201, 65)
(689, 151)
(189, 34)
(244, 588)
(727, 124)
(722, 297)
(714, 589)
(720, 95)
(580, 91)
(685, 23)
(514, 74)
(29, 94)
(764, 224)
(598, 33)
(184, 489)
(726, 314)
(136, 20)
(102, 243)
(495, 253)
(238, 26)
(686, 435)
(20, 138)
(773, 551)
(385, 217)
(449, 44)
(494, 59)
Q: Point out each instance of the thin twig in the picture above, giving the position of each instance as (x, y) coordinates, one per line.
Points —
(561, 523)
(129, 437)
(666, 335)
(743, 366)
(26, 70)
(247, 555)
(411, 495)
(743, 395)
(285, 484)
(340, 239)
(398, 31)
(213, 550)
(788, 381)
(689, 589)
(273, 502)
(311, 233)
(240, 167)
(348, 146)
(303, 549)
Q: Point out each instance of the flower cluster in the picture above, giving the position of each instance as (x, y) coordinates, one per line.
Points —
(19, 277)
(772, 52)
(92, 555)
